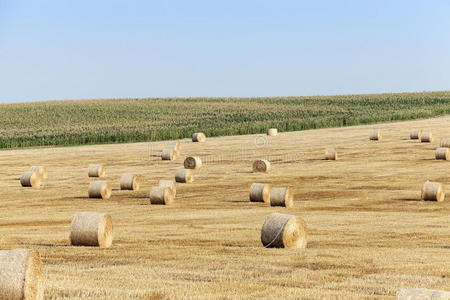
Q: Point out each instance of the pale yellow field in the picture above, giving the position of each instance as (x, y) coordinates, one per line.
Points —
(369, 233)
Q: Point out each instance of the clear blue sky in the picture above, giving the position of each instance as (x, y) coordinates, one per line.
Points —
(98, 49)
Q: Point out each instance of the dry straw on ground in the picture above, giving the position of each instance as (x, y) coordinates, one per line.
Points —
(99, 189)
(442, 153)
(331, 154)
(375, 135)
(260, 192)
(170, 184)
(130, 182)
(21, 275)
(422, 294)
(41, 170)
(445, 143)
(433, 191)
(161, 195)
(199, 137)
(427, 137)
(192, 162)
(168, 154)
(184, 176)
(31, 179)
(415, 134)
(272, 132)
(91, 229)
(283, 231)
(96, 171)
(281, 196)
(261, 165)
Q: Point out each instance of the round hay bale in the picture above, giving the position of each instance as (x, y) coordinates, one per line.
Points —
(422, 294)
(330, 154)
(415, 134)
(426, 137)
(445, 143)
(161, 195)
(272, 132)
(442, 153)
(261, 165)
(31, 179)
(41, 170)
(281, 196)
(375, 135)
(168, 154)
(184, 176)
(130, 182)
(433, 191)
(176, 146)
(96, 171)
(91, 229)
(170, 184)
(198, 137)
(260, 192)
(21, 275)
(283, 231)
(192, 162)
(99, 189)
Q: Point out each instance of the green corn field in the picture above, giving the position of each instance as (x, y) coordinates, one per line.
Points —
(62, 123)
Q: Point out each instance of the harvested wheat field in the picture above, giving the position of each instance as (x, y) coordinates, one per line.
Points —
(369, 234)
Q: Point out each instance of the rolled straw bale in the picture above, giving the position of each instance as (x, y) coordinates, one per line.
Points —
(281, 196)
(184, 176)
(99, 189)
(130, 182)
(426, 137)
(330, 154)
(433, 191)
(442, 153)
(21, 275)
(31, 179)
(375, 135)
(445, 143)
(42, 170)
(96, 171)
(198, 137)
(192, 162)
(161, 195)
(284, 231)
(170, 184)
(272, 132)
(168, 154)
(176, 146)
(260, 192)
(415, 134)
(422, 294)
(91, 229)
(261, 165)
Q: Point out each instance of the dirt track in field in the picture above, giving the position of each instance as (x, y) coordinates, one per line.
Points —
(368, 232)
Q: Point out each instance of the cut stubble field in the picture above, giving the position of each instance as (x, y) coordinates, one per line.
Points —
(368, 232)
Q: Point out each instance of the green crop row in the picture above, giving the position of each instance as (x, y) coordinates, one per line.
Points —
(61, 123)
